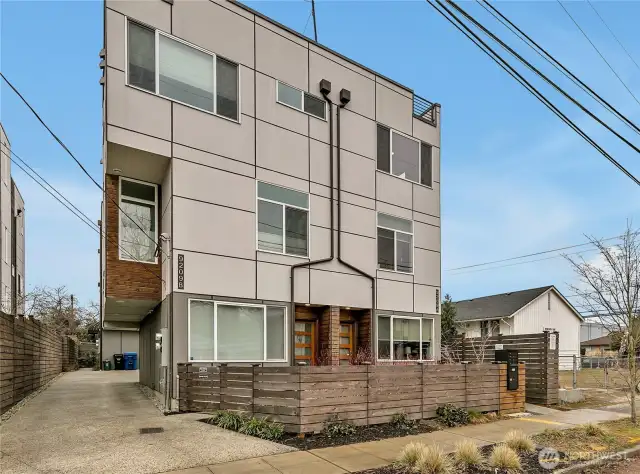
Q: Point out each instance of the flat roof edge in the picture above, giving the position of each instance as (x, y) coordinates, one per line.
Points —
(315, 43)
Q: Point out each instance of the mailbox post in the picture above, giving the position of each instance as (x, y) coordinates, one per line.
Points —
(510, 357)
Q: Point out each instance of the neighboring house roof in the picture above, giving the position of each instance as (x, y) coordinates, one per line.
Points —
(598, 341)
(502, 305)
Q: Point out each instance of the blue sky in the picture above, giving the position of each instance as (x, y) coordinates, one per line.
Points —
(514, 178)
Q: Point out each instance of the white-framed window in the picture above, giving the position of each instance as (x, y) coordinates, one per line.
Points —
(395, 243)
(180, 71)
(489, 328)
(301, 100)
(138, 232)
(237, 332)
(404, 338)
(282, 220)
(404, 156)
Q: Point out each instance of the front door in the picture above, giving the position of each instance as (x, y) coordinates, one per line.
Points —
(346, 343)
(305, 341)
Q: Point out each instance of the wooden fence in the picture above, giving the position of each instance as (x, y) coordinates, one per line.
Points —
(305, 398)
(31, 354)
(539, 351)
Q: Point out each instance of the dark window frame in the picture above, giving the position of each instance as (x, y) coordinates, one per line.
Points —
(384, 159)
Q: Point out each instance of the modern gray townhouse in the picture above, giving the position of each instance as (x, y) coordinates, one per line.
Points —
(12, 243)
(267, 200)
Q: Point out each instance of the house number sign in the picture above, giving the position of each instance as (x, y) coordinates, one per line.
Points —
(181, 271)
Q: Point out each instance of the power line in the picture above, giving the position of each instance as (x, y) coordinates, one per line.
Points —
(543, 53)
(534, 254)
(598, 51)
(69, 205)
(522, 263)
(540, 74)
(526, 84)
(158, 246)
(612, 33)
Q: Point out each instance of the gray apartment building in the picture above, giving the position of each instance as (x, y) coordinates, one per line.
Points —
(267, 200)
(12, 243)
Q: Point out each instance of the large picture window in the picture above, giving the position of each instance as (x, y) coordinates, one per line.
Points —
(232, 332)
(162, 64)
(404, 156)
(283, 220)
(300, 100)
(138, 220)
(395, 243)
(405, 338)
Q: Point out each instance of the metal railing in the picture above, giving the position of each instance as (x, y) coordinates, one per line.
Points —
(425, 110)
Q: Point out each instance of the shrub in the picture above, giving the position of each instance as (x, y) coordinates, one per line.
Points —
(215, 416)
(433, 460)
(467, 454)
(261, 428)
(593, 430)
(452, 415)
(410, 454)
(477, 418)
(503, 457)
(519, 441)
(337, 428)
(229, 420)
(401, 420)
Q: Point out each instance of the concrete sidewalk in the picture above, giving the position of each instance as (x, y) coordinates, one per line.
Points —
(361, 456)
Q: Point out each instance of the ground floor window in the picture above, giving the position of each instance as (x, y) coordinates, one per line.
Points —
(233, 332)
(405, 338)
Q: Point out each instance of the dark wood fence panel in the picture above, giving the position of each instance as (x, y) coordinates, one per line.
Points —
(539, 351)
(31, 355)
(304, 399)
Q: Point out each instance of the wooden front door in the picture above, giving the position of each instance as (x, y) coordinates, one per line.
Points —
(305, 341)
(346, 343)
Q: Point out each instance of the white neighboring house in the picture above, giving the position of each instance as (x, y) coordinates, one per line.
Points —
(524, 312)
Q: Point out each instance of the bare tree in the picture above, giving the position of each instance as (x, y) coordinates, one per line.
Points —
(452, 350)
(610, 289)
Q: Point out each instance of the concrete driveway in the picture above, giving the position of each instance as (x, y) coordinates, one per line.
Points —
(90, 422)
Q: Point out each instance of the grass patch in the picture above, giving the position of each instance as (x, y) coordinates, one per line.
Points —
(519, 442)
(467, 454)
(589, 438)
(503, 457)
(433, 460)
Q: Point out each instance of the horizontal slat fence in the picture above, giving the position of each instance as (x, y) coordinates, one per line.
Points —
(305, 398)
(31, 354)
(539, 351)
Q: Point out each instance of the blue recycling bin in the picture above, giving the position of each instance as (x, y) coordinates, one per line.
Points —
(130, 360)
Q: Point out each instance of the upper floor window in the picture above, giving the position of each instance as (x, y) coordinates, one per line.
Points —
(283, 220)
(184, 72)
(300, 100)
(138, 220)
(404, 156)
(395, 243)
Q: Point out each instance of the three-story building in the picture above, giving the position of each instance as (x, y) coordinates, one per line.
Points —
(267, 199)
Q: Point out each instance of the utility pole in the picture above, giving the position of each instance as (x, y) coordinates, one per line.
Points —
(313, 14)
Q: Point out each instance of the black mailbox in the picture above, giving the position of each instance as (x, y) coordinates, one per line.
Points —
(510, 357)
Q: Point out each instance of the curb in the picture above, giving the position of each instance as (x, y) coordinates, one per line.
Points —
(631, 452)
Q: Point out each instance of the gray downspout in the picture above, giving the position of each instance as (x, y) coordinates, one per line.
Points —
(340, 259)
(292, 350)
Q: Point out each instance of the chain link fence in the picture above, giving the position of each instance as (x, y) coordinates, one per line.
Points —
(588, 372)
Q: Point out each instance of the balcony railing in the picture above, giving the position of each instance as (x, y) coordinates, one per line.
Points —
(425, 110)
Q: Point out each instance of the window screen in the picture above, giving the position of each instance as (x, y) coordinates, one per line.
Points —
(227, 88)
(384, 157)
(141, 54)
(426, 164)
(314, 106)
